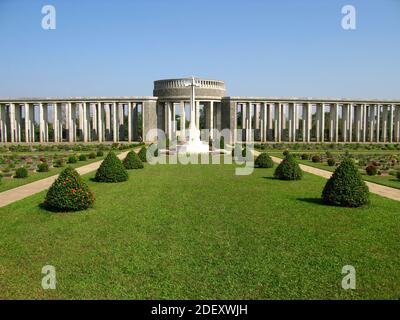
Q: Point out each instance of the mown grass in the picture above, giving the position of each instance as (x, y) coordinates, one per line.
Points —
(200, 232)
(10, 183)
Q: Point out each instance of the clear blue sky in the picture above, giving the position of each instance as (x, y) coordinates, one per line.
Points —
(259, 47)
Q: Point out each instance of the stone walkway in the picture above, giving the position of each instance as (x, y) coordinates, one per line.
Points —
(378, 189)
(29, 189)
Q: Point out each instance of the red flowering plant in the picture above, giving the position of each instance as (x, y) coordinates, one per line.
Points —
(69, 193)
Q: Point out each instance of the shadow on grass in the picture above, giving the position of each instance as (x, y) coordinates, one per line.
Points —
(269, 178)
(313, 200)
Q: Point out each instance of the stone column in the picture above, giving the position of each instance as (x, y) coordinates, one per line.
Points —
(198, 114)
(72, 122)
(135, 120)
(249, 122)
(257, 116)
(264, 127)
(129, 121)
(114, 122)
(291, 121)
(120, 121)
(378, 123)
(3, 123)
(107, 113)
(27, 131)
(173, 122)
(384, 122)
(18, 122)
(12, 122)
(55, 123)
(270, 122)
(308, 124)
(391, 119)
(351, 120)
(212, 121)
(318, 122)
(278, 114)
(345, 121)
(334, 118)
(100, 125)
(41, 123)
(322, 122)
(396, 119)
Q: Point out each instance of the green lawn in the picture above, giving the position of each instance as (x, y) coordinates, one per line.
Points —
(10, 183)
(200, 232)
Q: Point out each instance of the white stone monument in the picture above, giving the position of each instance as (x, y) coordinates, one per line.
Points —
(193, 144)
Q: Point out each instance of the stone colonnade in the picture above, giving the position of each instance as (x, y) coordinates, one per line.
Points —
(72, 121)
(316, 122)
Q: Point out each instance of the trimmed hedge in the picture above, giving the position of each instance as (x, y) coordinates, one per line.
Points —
(132, 161)
(92, 155)
(316, 159)
(100, 153)
(43, 167)
(346, 188)
(72, 159)
(21, 173)
(82, 157)
(264, 161)
(142, 154)
(331, 162)
(371, 170)
(111, 170)
(288, 169)
(69, 193)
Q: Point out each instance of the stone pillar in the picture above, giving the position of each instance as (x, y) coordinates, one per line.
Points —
(12, 122)
(345, 121)
(391, 119)
(292, 123)
(18, 122)
(264, 127)
(114, 122)
(41, 123)
(129, 121)
(72, 121)
(3, 123)
(135, 120)
(100, 124)
(307, 118)
(384, 122)
(149, 120)
(108, 130)
(212, 121)
(249, 122)
(198, 114)
(257, 116)
(27, 126)
(278, 116)
(173, 122)
(120, 121)
(55, 123)
(378, 123)
(334, 117)
(322, 122)
(396, 119)
(351, 121)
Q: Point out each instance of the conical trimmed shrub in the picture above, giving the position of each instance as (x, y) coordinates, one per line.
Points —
(345, 187)
(288, 169)
(111, 170)
(68, 193)
(264, 161)
(132, 161)
(142, 154)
